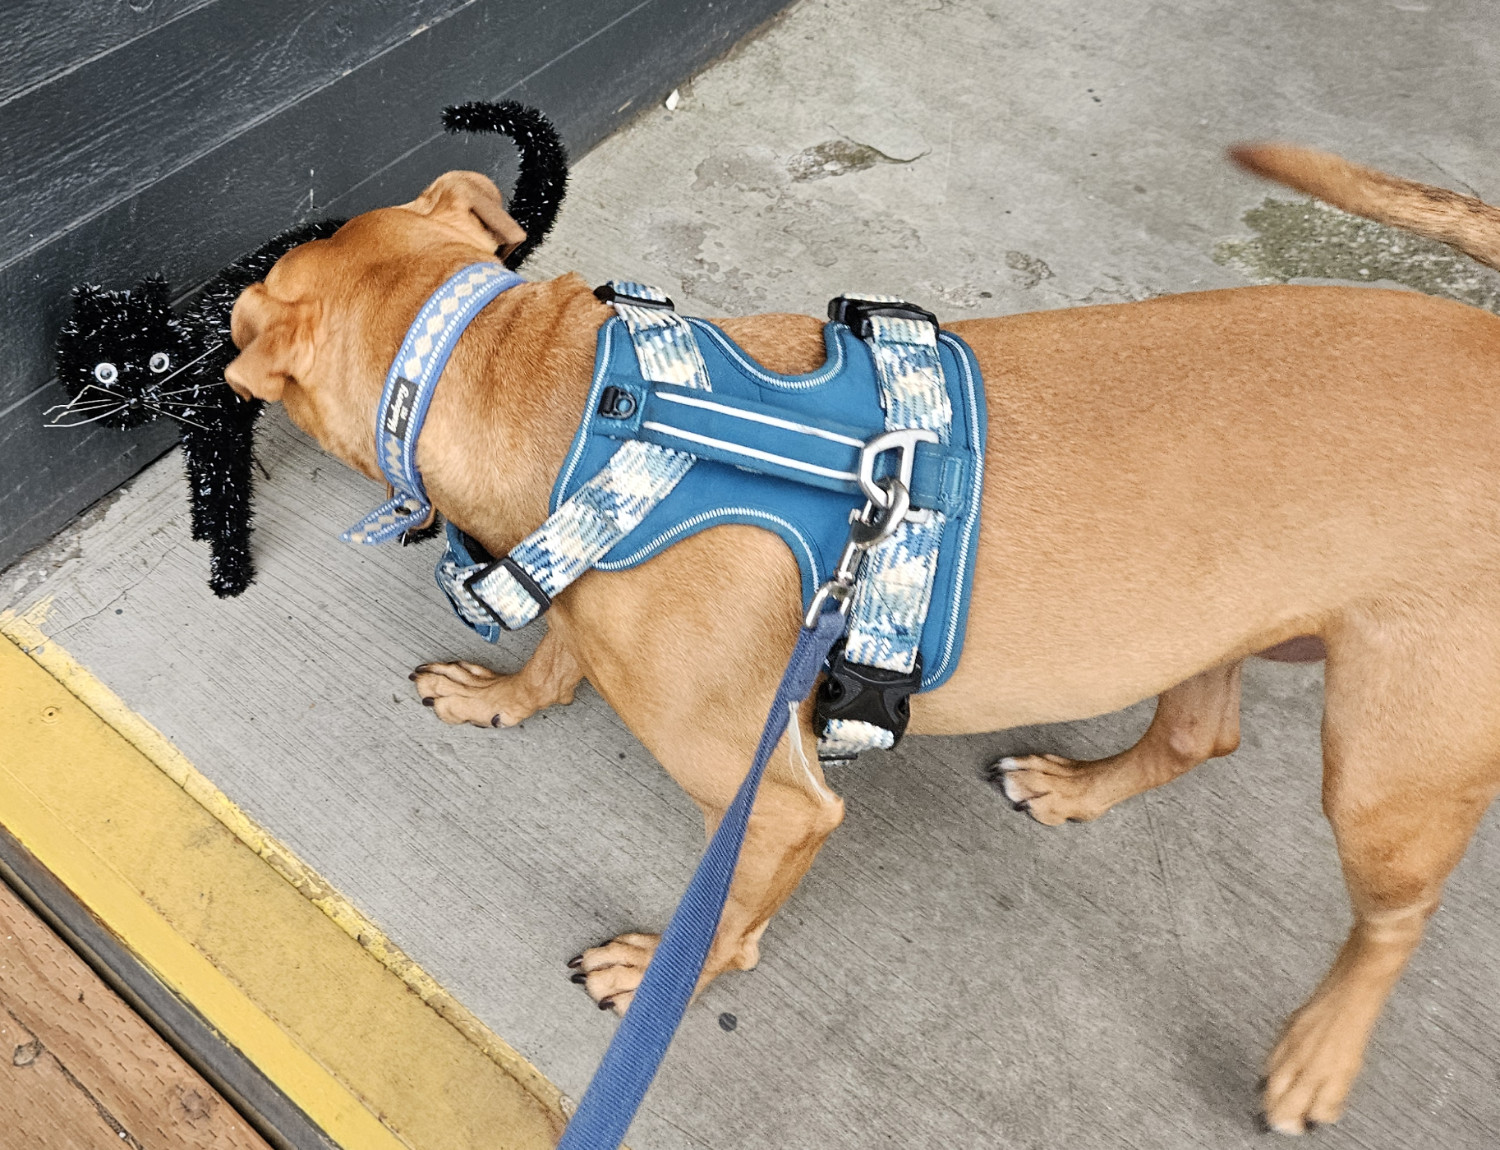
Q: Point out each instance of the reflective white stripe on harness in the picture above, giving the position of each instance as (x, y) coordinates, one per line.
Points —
(750, 452)
(761, 417)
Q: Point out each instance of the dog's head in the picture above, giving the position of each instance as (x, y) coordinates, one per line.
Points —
(318, 333)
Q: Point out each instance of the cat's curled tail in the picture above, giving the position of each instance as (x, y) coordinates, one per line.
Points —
(543, 178)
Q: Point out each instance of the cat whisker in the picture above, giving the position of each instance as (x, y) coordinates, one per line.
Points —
(169, 397)
(87, 405)
(162, 406)
(178, 418)
(102, 390)
(181, 390)
(190, 362)
(90, 419)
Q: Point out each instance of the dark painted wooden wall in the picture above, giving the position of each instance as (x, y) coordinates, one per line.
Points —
(172, 135)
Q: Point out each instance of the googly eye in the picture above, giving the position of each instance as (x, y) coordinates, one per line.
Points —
(160, 362)
(106, 372)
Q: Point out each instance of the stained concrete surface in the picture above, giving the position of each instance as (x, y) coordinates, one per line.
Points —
(950, 974)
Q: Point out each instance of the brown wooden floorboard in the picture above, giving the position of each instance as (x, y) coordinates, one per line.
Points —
(79, 1069)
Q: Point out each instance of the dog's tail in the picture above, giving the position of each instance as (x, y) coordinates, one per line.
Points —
(543, 179)
(1470, 225)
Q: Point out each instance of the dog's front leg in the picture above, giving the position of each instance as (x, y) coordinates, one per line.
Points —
(794, 813)
(468, 693)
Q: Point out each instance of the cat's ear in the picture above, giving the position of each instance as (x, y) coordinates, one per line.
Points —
(275, 339)
(89, 300)
(471, 204)
(155, 291)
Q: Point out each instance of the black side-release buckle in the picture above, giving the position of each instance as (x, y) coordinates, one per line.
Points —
(523, 579)
(616, 403)
(855, 313)
(605, 293)
(871, 695)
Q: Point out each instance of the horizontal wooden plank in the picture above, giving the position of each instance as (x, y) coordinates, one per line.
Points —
(117, 1064)
(48, 37)
(41, 1104)
(103, 131)
(375, 137)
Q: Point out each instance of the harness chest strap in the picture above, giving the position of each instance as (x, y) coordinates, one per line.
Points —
(517, 588)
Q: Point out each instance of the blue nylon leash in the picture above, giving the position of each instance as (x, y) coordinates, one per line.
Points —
(640, 1043)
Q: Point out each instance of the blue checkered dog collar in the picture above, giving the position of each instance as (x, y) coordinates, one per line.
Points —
(409, 386)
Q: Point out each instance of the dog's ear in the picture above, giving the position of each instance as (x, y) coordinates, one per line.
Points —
(473, 205)
(275, 339)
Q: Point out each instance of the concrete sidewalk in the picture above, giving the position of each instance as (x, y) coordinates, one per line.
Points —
(950, 974)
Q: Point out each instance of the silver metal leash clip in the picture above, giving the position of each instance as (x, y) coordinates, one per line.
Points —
(872, 525)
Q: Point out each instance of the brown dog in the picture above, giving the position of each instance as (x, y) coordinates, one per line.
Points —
(1186, 481)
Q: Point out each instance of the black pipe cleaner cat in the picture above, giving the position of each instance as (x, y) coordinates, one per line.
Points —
(125, 358)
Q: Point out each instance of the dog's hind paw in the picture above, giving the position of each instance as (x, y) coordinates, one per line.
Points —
(1051, 789)
(611, 971)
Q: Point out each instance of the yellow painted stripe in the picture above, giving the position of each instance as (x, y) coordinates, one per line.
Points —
(321, 1096)
(84, 790)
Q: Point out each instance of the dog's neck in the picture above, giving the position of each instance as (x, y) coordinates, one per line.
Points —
(502, 416)
(506, 410)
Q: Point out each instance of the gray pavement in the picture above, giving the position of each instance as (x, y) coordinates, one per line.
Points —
(949, 974)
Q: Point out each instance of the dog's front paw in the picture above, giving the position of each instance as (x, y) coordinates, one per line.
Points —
(1051, 789)
(469, 693)
(1309, 1074)
(611, 971)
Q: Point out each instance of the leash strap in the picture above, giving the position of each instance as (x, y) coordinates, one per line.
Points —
(516, 589)
(634, 1054)
(895, 583)
(409, 386)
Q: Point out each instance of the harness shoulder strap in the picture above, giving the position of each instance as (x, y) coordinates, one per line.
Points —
(515, 589)
(864, 702)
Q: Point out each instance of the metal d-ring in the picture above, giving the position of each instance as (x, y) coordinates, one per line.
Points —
(903, 440)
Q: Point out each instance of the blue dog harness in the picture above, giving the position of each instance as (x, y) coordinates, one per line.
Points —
(683, 431)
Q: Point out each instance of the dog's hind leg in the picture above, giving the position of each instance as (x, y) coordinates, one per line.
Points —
(1196, 720)
(1411, 747)
(468, 693)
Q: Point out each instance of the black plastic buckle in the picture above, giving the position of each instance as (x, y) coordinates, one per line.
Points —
(855, 313)
(616, 403)
(605, 293)
(871, 695)
(521, 576)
